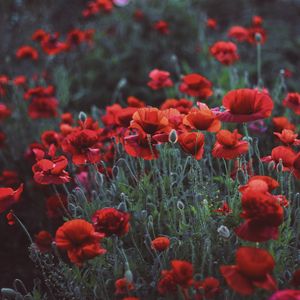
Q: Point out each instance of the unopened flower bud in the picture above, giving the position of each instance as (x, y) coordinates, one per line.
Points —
(128, 275)
(82, 116)
(223, 231)
(180, 205)
(122, 83)
(240, 176)
(279, 166)
(258, 37)
(173, 137)
(271, 166)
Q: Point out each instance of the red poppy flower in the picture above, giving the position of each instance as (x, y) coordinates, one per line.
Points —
(192, 143)
(135, 102)
(224, 52)
(83, 145)
(181, 274)
(229, 145)
(211, 23)
(75, 37)
(208, 288)
(182, 105)
(196, 85)
(281, 153)
(245, 105)
(39, 92)
(27, 52)
(111, 221)
(51, 171)
(56, 205)
(20, 80)
(292, 101)
(162, 27)
(286, 295)
(239, 33)
(288, 137)
(257, 21)
(252, 270)
(5, 112)
(43, 108)
(161, 243)
(80, 240)
(123, 286)
(140, 145)
(124, 116)
(296, 278)
(159, 79)
(281, 123)
(263, 215)
(202, 119)
(9, 197)
(9, 178)
(296, 166)
(43, 240)
(52, 46)
(252, 35)
(224, 209)
(39, 35)
(11, 220)
(150, 121)
(260, 183)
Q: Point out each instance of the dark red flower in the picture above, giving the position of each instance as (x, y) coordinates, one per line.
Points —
(257, 21)
(292, 101)
(192, 143)
(211, 23)
(252, 35)
(260, 183)
(159, 79)
(56, 205)
(43, 240)
(27, 52)
(281, 123)
(196, 85)
(296, 278)
(51, 171)
(224, 209)
(43, 108)
(83, 145)
(209, 288)
(5, 112)
(80, 240)
(245, 105)
(9, 197)
(252, 270)
(229, 145)
(162, 27)
(263, 215)
(39, 35)
(161, 243)
(288, 137)
(239, 33)
(135, 102)
(224, 52)
(111, 221)
(182, 105)
(123, 286)
(286, 295)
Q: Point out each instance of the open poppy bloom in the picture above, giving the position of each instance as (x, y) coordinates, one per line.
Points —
(263, 215)
(260, 183)
(9, 197)
(180, 275)
(286, 295)
(292, 101)
(224, 52)
(51, 171)
(109, 221)
(283, 154)
(192, 143)
(281, 123)
(288, 137)
(161, 243)
(229, 145)
(238, 33)
(252, 270)
(182, 105)
(43, 241)
(162, 27)
(27, 52)
(159, 79)
(79, 238)
(42, 107)
(5, 112)
(245, 105)
(83, 145)
(123, 286)
(196, 85)
(202, 119)
(211, 23)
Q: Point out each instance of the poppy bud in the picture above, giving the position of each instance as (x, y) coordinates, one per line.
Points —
(144, 214)
(240, 176)
(82, 117)
(128, 275)
(115, 171)
(223, 231)
(173, 137)
(122, 207)
(271, 166)
(5, 292)
(279, 167)
(122, 83)
(258, 37)
(180, 205)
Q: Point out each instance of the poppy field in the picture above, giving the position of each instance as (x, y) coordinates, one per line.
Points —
(149, 150)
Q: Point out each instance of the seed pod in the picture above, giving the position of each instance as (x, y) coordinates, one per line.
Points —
(82, 116)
